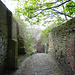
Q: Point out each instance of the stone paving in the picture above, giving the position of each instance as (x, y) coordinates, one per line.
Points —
(39, 64)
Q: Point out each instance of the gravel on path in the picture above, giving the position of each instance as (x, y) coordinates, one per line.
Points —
(39, 64)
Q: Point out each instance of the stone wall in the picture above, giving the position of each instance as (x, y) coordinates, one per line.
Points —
(3, 35)
(8, 41)
(39, 47)
(62, 46)
(12, 51)
(21, 38)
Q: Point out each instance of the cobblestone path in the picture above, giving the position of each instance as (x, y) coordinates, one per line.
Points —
(39, 64)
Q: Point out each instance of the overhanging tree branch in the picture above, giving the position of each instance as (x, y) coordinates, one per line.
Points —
(55, 6)
(71, 6)
(42, 6)
(51, 7)
(49, 3)
(62, 13)
(60, 4)
(46, 3)
(52, 2)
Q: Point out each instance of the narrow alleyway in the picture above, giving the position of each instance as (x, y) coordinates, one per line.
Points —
(39, 64)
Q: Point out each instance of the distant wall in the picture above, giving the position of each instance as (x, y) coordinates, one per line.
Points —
(62, 45)
(39, 47)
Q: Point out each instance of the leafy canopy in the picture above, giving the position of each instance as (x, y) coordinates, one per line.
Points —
(44, 9)
(34, 11)
(32, 8)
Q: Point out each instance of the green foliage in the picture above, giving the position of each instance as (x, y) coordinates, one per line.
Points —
(45, 33)
(35, 8)
(59, 20)
(70, 8)
(27, 53)
(28, 43)
(31, 8)
(30, 51)
(19, 60)
(27, 39)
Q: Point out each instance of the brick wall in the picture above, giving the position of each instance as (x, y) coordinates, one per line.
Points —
(62, 45)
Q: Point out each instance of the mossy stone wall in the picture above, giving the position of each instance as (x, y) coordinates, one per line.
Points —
(3, 35)
(62, 45)
(21, 42)
(8, 41)
(12, 52)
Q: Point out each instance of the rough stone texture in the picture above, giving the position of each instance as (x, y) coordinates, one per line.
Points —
(21, 37)
(8, 44)
(21, 49)
(3, 35)
(12, 51)
(14, 29)
(21, 31)
(62, 45)
(39, 64)
(12, 57)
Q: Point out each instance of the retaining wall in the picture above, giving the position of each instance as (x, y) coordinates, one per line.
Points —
(8, 41)
(62, 46)
(3, 35)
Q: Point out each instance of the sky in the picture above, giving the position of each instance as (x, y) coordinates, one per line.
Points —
(11, 5)
(73, 0)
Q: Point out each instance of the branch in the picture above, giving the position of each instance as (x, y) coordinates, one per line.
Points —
(52, 7)
(48, 3)
(52, 2)
(44, 4)
(60, 4)
(71, 6)
(62, 13)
